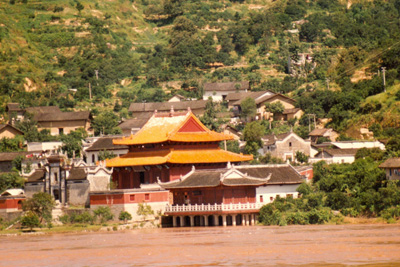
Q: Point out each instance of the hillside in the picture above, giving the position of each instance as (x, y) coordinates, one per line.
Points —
(145, 50)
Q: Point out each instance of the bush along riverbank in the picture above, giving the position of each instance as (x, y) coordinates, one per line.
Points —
(357, 190)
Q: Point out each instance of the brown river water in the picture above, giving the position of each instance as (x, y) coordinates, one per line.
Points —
(321, 245)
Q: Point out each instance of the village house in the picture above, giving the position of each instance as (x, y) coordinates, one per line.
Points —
(133, 125)
(165, 149)
(53, 119)
(15, 112)
(324, 133)
(285, 146)
(7, 158)
(261, 98)
(147, 109)
(9, 131)
(103, 144)
(335, 155)
(229, 196)
(358, 144)
(44, 146)
(392, 168)
(62, 122)
(219, 91)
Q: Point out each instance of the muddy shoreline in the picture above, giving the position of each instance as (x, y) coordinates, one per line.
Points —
(309, 245)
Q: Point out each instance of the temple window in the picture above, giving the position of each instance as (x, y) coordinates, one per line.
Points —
(146, 196)
(132, 197)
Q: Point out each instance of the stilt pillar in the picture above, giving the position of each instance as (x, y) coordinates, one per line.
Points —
(191, 221)
(224, 220)
(247, 219)
(216, 221)
(243, 219)
(174, 221)
(205, 217)
(234, 220)
(182, 221)
(252, 218)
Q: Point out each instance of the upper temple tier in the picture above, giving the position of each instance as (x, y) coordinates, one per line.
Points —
(174, 138)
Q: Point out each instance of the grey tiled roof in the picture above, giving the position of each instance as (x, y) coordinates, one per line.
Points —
(105, 143)
(227, 86)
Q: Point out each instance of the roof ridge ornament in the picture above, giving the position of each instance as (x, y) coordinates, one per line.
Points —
(229, 165)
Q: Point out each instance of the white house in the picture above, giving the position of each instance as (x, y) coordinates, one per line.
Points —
(335, 155)
(103, 144)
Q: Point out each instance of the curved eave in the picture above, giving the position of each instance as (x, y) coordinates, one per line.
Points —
(139, 159)
(176, 157)
(206, 156)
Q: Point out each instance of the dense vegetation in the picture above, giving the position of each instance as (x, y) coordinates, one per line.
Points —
(359, 189)
(118, 52)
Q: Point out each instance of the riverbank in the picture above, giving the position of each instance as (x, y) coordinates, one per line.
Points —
(294, 245)
(113, 227)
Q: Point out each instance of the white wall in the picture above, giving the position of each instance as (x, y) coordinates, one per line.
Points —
(358, 144)
(271, 191)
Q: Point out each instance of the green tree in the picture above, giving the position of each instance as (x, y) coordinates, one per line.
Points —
(104, 214)
(11, 144)
(252, 134)
(10, 180)
(106, 123)
(301, 157)
(125, 216)
(105, 154)
(144, 210)
(72, 142)
(275, 107)
(79, 7)
(209, 116)
(30, 220)
(41, 204)
(248, 108)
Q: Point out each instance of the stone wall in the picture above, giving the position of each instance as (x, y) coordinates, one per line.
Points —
(31, 189)
(78, 193)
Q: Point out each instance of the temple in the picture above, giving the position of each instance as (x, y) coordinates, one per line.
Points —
(229, 196)
(167, 147)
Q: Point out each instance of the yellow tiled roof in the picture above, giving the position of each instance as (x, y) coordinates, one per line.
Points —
(166, 128)
(206, 156)
(185, 156)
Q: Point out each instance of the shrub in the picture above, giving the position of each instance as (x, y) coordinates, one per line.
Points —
(84, 217)
(103, 213)
(30, 220)
(144, 210)
(351, 212)
(319, 216)
(297, 218)
(125, 216)
(64, 219)
(391, 214)
(40, 204)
